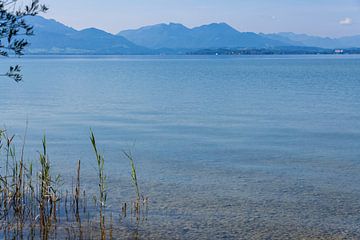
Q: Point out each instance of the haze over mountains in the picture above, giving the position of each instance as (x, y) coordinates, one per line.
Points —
(215, 35)
(52, 37)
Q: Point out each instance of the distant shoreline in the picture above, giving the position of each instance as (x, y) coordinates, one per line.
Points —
(217, 51)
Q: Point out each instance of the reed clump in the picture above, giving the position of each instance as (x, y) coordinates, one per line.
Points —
(48, 193)
(35, 205)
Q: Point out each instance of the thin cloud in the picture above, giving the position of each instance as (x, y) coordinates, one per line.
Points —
(346, 21)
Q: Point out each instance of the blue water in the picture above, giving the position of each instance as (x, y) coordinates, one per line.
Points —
(226, 147)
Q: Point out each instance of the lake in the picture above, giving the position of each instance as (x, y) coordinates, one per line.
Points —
(250, 147)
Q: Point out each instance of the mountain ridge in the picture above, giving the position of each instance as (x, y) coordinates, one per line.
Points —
(213, 35)
(53, 37)
(220, 35)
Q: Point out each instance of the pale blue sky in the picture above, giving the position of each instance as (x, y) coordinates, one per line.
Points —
(317, 17)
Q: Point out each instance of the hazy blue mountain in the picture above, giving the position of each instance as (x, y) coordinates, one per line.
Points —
(215, 35)
(54, 37)
(283, 39)
(314, 41)
(353, 41)
(159, 36)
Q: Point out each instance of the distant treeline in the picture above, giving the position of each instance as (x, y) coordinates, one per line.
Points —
(274, 51)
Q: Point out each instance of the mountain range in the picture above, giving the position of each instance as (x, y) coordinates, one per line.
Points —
(52, 37)
(215, 35)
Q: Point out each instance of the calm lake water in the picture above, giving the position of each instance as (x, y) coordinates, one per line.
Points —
(261, 147)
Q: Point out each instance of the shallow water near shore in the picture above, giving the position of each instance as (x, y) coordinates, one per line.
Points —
(257, 147)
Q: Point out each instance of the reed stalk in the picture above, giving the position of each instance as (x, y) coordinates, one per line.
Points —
(77, 192)
(102, 184)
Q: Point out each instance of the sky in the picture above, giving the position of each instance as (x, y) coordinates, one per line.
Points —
(331, 18)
